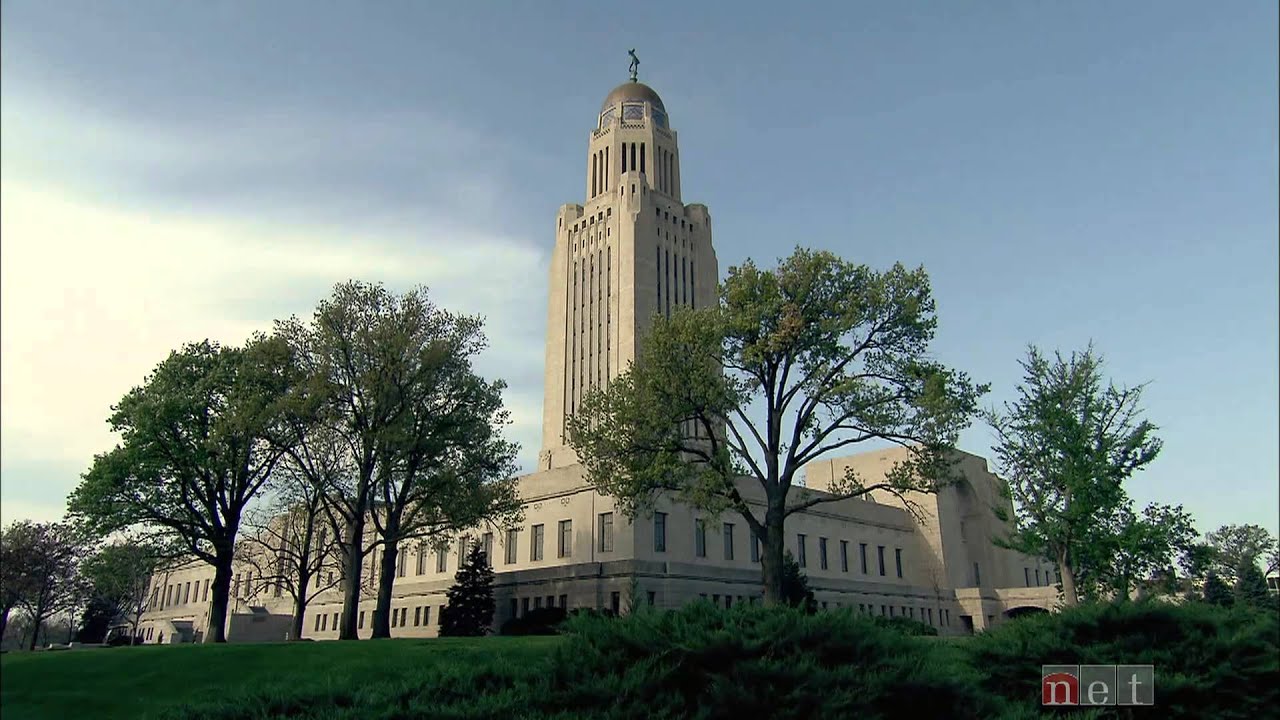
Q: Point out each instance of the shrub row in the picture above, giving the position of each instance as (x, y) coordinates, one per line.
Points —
(706, 662)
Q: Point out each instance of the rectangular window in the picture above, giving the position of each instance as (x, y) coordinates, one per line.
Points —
(537, 602)
(462, 550)
(880, 555)
(524, 606)
(206, 590)
(419, 569)
(800, 551)
(844, 556)
(535, 543)
(1026, 576)
(361, 619)
(897, 560)
(728, 541)
(659, 532)
(515, 607)
(977, 575)
(699, 538)
(1037, 576)
(417, 616)
(615, 602)
(822, 553)
(186, 594)
(511, 546)
(399, 563)
(564, 601)
(755, 548)
(862, 549)
(441, 557)
(606, 532)
(426, 615)
(565, 546)
(395, 615)
(317, 626)
(488, 549)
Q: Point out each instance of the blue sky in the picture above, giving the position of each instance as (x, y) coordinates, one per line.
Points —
(1066, 172)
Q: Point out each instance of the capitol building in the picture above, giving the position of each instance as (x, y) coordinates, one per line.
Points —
(634, 248)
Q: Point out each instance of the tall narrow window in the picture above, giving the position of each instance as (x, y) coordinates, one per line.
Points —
(535, 542)
(755, 548)
(595, 168)
(800, 550)
(488, 548)
(642, 153)
(658, 274)
(666, 277)
(565, 545)
(1026, 576)
(728, 541)
(606, 532)
(880, 555)
(897, 559)
(606, 169)
(684, 281)
(441, 556)
(624, 157)
(862, 550)
(822, 553)
(659, 532)
(844, 556)
(693, 290)
(977, 575)
(462, 551)
(1037, 576)
(422, 562)
(700, 538)
(633, 158)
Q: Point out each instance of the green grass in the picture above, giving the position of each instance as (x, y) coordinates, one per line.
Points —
(156, 682)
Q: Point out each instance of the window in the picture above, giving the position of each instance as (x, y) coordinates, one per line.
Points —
(822, 553)
(652, 598)
(335, 622)
(419, 568)
(844, 556)
(1026, 576)
(1037, 576)
(606, 532)
(399, 563)
(186, 594)
(659, 532)
(862, 549)
(800, 550)
(728, 541)
(537, 602)
(930, 611)
(615, 602)
(880, 556)
(361, 619)
(700, 538)
(395, 615)
(488, 548)
(462, 550)
(977, 575)
(206, 590)
(755, 548)
(511, 546)
(524, 605)
(318, 619)
(551, 601)
(417, 616)
(426, 615)
(535, 543)
(515, 607)
(565, 545)
(441, 556)
(564, 601)
(897, 560)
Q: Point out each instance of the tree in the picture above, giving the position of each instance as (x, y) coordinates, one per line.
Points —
(1235, 546)
(1130, 551)
(1216, 591)
(195, 452)
(1065, 447)
(119, 576)
(391, 376)
(17, 552)
(99, 614)
(795, 586)
(725, 404)
(469, 611)
(290, 546)
(1251, 586)
(50, 583)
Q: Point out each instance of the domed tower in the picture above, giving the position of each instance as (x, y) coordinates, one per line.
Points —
(631, 251)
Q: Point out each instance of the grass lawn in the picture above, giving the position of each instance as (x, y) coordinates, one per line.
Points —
(150, 682)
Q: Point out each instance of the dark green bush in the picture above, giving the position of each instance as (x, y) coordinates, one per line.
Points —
(705, 662)
(1209, 661)
(539, 621)
(906, 626)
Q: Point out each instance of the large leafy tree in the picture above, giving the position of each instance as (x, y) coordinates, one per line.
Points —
(1135, 551)
(725, 404)
(390, 376)
(195, 452)
(1066, 445)
(119, 576)
(18, 543)
(1237, 546)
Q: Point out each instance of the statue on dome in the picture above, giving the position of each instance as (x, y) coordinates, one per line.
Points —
(635, 64)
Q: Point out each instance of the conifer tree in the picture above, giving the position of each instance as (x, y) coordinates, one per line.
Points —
(469, 611)
(1251, 586)
(1216, 592)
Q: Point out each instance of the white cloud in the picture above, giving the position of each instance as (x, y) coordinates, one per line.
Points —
(92, 297)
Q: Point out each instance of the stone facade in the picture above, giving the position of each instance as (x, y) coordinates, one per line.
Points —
(632, 251)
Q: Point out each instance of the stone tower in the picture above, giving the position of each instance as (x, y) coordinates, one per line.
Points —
(632, 251)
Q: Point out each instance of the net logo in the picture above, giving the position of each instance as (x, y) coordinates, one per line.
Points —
(1097, 685)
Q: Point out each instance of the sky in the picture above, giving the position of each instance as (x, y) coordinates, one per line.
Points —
(1066, 172)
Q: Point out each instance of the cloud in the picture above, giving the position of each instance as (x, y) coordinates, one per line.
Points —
(97, 286)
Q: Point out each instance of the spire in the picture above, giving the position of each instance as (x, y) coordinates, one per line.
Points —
(635, 64)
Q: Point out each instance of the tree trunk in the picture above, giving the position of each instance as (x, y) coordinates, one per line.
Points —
(37, 618)
(4, 621)
(386, 583)
(771, 558)
(219, 604)
(351, 581)
(1069, 597)
(300, 602)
